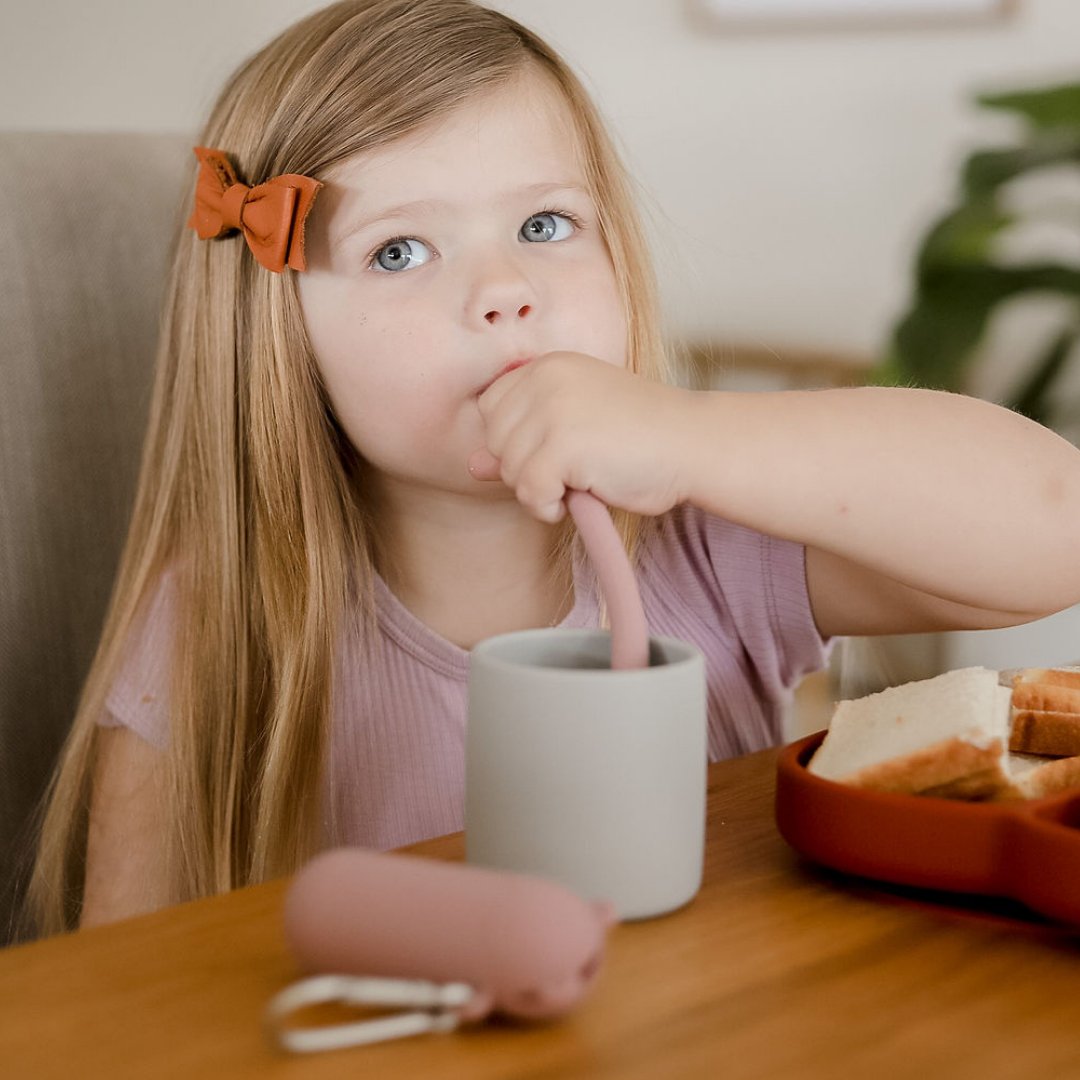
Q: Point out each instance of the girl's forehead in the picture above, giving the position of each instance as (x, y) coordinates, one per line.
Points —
(517, 133)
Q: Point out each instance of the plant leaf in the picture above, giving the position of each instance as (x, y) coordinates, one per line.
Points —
(986, 170)
(1046, 107)
(957, 288)
(934, 343)
(1032, 398)
(963, 235)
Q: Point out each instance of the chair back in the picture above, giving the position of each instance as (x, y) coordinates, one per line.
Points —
(84, 243)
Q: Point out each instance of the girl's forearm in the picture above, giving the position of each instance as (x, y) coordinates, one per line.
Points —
(945, 493)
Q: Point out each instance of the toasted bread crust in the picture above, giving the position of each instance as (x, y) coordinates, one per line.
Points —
(1048, 677)
(1051, 778)
(1054, 776)
(1053, 734)
(990, 783)
(952, 763)
(1045, 697)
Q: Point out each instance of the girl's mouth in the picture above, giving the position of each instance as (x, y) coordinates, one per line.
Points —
(512, 366)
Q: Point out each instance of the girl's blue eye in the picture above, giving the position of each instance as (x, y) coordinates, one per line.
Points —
(399, 254)
(546, 226)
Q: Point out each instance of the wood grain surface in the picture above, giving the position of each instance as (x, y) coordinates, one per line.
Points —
(776, 969)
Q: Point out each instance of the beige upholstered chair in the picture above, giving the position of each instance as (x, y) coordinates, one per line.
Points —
(84, 237)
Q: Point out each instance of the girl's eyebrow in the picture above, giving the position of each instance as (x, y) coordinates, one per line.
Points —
(422, 206)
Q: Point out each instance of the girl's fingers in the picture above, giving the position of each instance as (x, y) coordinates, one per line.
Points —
(519, 453)
(512, 458)
(554, 512)
(539, 488)
(483, 465)
(490, 398)
(500, 408)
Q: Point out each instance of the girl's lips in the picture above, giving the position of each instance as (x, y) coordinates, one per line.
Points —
(512, 366)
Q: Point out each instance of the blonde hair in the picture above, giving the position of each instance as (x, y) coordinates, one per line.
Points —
(249, 496)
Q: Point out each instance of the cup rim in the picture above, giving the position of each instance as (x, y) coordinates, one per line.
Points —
(488, 651)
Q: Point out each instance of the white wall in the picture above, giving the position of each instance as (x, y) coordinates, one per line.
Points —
(789, 175)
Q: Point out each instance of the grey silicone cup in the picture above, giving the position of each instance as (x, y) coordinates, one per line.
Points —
(592, 777)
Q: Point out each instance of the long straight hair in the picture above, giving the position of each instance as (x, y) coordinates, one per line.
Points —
(250, 501)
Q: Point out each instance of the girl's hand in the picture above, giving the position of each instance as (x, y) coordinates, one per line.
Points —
(568, 420)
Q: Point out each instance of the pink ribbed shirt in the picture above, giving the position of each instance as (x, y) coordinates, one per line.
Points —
(396, 770)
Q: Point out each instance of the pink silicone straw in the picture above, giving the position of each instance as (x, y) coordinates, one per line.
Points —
(629, 631)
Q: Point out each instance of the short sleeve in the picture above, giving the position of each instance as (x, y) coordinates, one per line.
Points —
(139, 696)
(741, 596)
(800, 648)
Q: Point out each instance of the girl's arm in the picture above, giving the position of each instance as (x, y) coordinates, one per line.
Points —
(920, 509)
(125, 872)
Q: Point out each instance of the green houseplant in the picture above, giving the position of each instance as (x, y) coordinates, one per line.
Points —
(958, 284)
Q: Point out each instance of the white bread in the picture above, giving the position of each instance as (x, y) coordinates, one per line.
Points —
(942, 736)
(1035, 777)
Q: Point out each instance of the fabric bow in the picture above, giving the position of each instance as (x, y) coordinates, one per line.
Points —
(270, 215)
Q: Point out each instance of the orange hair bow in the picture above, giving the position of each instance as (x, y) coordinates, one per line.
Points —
(271, 215)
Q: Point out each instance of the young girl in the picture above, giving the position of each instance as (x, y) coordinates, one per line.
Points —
(436, 316)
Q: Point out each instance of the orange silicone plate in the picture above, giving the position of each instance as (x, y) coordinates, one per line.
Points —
(1026, 851)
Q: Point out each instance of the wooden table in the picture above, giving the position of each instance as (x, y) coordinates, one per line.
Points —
(775, 970)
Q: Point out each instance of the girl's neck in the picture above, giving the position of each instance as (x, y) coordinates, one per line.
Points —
(470, 568)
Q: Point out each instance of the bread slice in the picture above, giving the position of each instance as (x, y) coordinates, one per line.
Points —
(1046, 712)
(1035, 777)
(1066, 677)
(1053, 734)
(943, 736)
(1042, 697)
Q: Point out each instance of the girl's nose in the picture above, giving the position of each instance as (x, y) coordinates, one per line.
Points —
(502, 292)
(495, 315)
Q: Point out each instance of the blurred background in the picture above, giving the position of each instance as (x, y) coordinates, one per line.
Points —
(831, 201)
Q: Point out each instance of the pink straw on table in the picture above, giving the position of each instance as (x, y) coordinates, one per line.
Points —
(629, 631)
